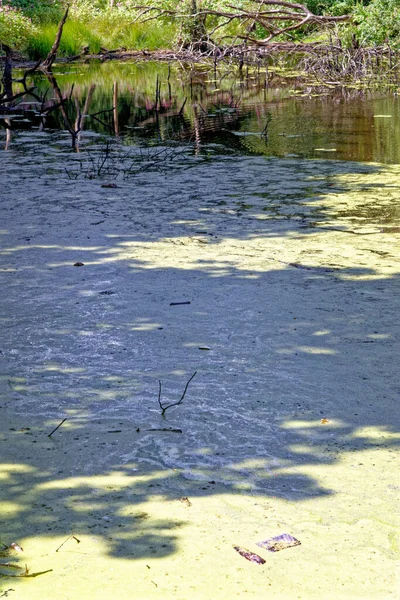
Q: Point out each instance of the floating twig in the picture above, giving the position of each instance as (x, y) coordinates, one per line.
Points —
(27, 574)
(58, 426)
(68, 538)
(24, 574)
(164, 407)
(169, 429)
(178, 303)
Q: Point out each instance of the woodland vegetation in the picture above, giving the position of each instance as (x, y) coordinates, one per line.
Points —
(30, 26)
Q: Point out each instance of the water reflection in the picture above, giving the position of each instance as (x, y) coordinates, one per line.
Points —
(218, 110)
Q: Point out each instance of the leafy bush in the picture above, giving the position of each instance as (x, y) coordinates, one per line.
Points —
(84, 10)
(15, 27)
(40, 11)
(378, 22)
(331, 7)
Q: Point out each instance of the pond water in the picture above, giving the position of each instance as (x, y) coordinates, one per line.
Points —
(235, 251)
(217, 111)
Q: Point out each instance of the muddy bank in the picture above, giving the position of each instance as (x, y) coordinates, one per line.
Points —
(277, 281)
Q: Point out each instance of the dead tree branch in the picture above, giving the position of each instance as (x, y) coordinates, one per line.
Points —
(50, 58)
(275, 17)
(7, 97)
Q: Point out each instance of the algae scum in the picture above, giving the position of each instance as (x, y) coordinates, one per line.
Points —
(276, 281)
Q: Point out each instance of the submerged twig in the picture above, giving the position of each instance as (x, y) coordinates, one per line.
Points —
(166, 406)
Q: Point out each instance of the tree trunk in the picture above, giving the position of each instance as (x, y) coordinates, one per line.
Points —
(199, 32)
(7, 75)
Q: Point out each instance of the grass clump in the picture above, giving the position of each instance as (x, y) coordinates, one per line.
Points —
(75, 37)
(95, 30)
(136, 36)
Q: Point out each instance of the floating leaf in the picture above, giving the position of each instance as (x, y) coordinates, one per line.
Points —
(280, 542)
(249, 555)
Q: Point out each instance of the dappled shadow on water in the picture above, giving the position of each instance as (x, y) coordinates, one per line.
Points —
(287, 315)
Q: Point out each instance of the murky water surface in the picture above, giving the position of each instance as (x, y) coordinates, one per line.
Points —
(253, 111)
(199, 114)
(212, 236)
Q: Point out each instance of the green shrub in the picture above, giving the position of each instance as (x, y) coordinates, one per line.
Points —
(40, 11)
(15, 27)
(331, 7)
(84, 10)
(378, 22)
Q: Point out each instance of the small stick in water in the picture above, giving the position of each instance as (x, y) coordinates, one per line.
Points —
(68, 538)
(54, 430)
(164, 407)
